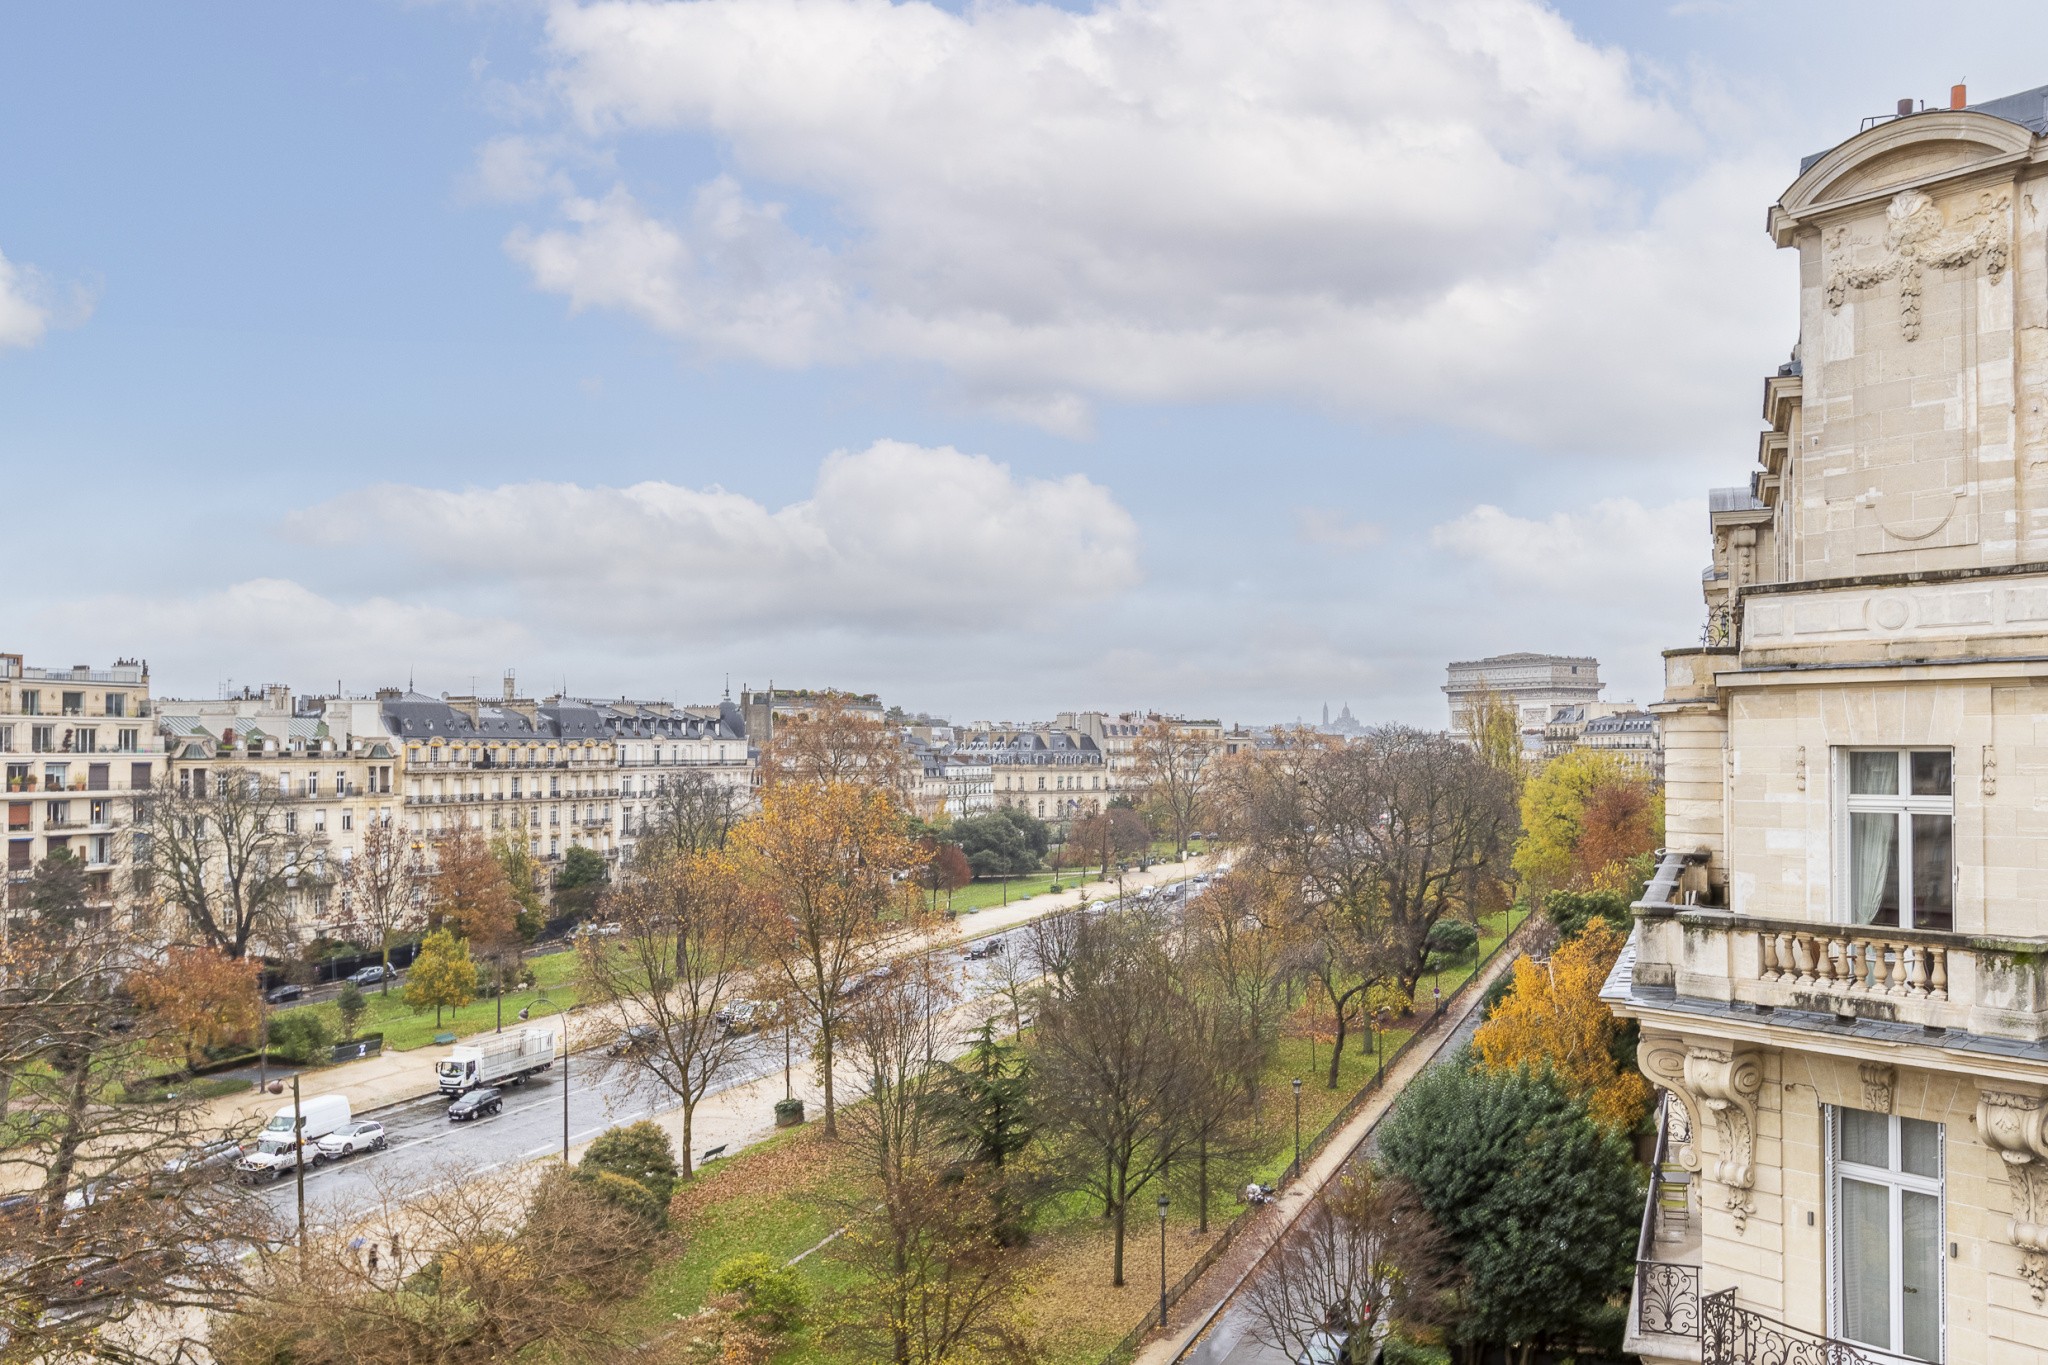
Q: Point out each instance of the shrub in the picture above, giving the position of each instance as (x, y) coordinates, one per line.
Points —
(1496, 993)
(1399, 1350)
(350, 1005)
(302, 1036)
(771, 1295)
(638, 1151)
(628, 1196)
(1452, 939)
(1571, 911)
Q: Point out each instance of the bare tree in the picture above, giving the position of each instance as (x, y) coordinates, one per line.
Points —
(384, 888)
(1364, 1255)
(1170, 762)
(687, 938)
(122, 1224)
(1114, 1072)
(228, 855)
(693, 812)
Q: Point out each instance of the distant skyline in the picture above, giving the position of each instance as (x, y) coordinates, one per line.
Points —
(998, 358)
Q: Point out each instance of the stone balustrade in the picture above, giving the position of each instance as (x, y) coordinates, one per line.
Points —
(1993, 986)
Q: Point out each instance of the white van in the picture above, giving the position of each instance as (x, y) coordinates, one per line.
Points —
(274, 1156)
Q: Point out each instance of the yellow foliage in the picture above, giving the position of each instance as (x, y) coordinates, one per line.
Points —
(1553, 1017)
(1585, 814)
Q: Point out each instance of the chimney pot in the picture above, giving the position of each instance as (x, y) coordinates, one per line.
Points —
(1958, 97)
(1905, 107)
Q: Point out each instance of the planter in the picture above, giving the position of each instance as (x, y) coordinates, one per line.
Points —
(788, 1113)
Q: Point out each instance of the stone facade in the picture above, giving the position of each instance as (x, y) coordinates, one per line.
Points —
(1846, 938)
(1537, 685)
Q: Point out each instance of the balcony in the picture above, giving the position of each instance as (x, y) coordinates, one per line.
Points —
(1731, 1335)
(1664, 1305)
(1994, 987)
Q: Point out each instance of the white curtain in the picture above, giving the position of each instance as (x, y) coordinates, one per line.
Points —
(1866, 1264)
(1873, 855)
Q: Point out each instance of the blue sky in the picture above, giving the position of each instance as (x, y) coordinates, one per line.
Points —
(1001, 358)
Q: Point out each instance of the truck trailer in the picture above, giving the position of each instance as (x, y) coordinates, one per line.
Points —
(502, 1059)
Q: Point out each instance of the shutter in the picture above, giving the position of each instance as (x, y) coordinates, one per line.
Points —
(99, 777)
(138, 777)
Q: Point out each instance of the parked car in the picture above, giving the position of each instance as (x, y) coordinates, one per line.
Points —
(285, 994)
(983, 947)
(476, 1104)
(588, 930)
(865, 982)
(350, 1138)
(633, 1041)
(205, 1157)
(741, 1016)
(376, 974)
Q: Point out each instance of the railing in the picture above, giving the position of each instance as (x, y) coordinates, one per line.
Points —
(1736, 1336)
(1667, 1293)
(1854, 963)
(1720, 628)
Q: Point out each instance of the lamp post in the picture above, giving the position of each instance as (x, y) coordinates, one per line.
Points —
(298, 1150)
(525, 1011)
(1162, 1260)
(1297, 1127)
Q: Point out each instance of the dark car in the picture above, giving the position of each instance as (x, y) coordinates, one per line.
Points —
(285, 994)
(373, 975)
(983, 947)
(476, 1104)
(633, 1041)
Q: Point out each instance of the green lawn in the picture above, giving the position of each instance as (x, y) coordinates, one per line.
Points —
(403, 1030)
(982, 895)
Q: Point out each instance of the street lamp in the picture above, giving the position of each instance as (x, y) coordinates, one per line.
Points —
(298, 1150)
(1162, 1260)
(526, 1011)
(1297, 1127)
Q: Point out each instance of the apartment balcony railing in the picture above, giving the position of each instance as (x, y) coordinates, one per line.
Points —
(1664, 1311)
(1994, 986)
(1730, 1335)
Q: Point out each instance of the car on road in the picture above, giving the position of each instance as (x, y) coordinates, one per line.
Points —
(587, 930)
(983, 947)
(376, 974)
(360, 1136)
(476, 1104)
(633, 1041)
(285, 994)
(741, 1016)
(865, 982)
(205, 1157)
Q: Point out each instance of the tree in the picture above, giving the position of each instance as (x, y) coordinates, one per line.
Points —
(579, 882)
(442, 977)
(985, 1114)
(692, 812)
(351, 1006)
(470, 891)
(835, 741)
(831, 866)
(522, 873)
(947, 869)
(687, 938)
(384, 888)
(1114, 1074)
(1494, 730)
(225, 856)
(1003, 843)
(1585, 815)
(1170, 758)
(1571, 911)
(1540, 1204)
(201, 998)
(1104, 836)
(1364, 1256)
(1553, 1018)
(118, 1225)
(640, 1152)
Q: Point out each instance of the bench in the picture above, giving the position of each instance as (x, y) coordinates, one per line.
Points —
(444, 1038)
(712, 1154)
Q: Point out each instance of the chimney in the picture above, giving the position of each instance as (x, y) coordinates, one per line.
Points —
(1958, 97)
(511, 685)
(1905, 107)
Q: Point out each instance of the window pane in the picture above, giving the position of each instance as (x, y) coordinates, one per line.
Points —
(1866, 1138)
(1866, 1263)
(1920, 1274)
(1874, 774)
(1874, 867)
(1920, 1147)
(1931, 773)
(1933, 872)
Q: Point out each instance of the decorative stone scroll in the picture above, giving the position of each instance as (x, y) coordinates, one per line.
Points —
(1727, 1083)
(1661, 1058)
(1878, 1080)
(1917, 234)
(2010, 1123)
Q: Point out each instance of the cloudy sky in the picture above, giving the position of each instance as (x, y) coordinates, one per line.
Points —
(1001, 357)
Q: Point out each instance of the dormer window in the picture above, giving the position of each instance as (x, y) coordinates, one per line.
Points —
(1898, 836)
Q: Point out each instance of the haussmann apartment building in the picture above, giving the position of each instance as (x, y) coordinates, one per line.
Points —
(1841, 969)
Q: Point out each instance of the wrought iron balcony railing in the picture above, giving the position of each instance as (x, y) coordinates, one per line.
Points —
(1737, 1336)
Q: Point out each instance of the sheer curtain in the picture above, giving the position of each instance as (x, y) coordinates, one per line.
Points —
(1866, 1253)
(1873, 857)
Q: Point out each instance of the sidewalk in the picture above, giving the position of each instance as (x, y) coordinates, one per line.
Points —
(395, 1077)
(1196, 1310)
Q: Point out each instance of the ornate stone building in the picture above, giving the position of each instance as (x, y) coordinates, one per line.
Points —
(1841, 970)
(1536, 685)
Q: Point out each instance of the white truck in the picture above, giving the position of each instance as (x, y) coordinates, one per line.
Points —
(274, 1156)
(502, 1059)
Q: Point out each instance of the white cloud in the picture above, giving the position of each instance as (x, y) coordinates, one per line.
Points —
(23, 315)
(894, 538)
(1382, 205)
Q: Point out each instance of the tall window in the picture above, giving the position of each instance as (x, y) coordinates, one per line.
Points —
(1887, 1216)
(1900, 837)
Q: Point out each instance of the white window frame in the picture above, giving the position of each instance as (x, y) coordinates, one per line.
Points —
(1895, 1181)
(1904, 806)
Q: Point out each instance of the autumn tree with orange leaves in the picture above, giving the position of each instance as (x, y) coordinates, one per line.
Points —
(833, 740)
(1585, 816)
(833, 871)
(471, 892)
(201, 998)
(1552, 1018)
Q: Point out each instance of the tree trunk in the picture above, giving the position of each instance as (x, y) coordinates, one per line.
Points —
(825, 1052)
(689, 1116)
(1202, 1180)
(1337, 1046)
(1116, 1277)
(385, 984)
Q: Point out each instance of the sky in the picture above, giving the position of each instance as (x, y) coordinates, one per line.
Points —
(1001, 358)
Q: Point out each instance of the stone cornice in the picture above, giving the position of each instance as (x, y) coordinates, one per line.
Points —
(2005, 146)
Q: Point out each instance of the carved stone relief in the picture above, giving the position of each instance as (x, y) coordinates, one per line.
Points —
(1918, 235)
(2010, 1123)
(1877, 1086)
(1727, 1083)
(1661, 1058)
